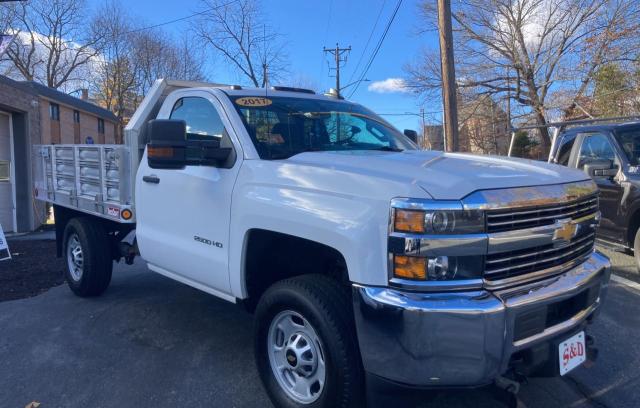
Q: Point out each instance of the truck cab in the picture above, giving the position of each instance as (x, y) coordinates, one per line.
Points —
(610, 155)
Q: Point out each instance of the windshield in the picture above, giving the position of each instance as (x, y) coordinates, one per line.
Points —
(281, 127)
(629, 140)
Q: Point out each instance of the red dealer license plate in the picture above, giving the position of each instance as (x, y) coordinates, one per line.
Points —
(573, 352)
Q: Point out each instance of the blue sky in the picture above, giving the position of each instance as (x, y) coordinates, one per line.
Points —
(307, 26)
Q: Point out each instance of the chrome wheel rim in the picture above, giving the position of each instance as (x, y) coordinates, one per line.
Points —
(75, 258)
(296, 357)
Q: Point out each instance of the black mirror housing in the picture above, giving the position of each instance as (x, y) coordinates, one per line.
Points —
(167, 144)
(607, 173)
(601, 169)
(411, 134)
(169, 147)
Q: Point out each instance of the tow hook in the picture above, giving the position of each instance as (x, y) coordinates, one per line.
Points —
(508, 388)
(592, 351)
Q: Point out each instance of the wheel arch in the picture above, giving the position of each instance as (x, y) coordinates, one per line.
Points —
(633, 223)
(270, 256)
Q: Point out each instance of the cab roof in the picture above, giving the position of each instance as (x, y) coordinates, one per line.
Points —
(607, 127)
(281, 92)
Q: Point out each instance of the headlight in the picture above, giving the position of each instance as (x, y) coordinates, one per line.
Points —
(439, 221)
(436, 241)
(437, 268)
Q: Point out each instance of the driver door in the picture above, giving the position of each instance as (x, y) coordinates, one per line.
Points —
(598, 147)
(184, 214)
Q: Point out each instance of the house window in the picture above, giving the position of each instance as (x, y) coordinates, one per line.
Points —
(76, 116)
(54, 111)
(5, 170)
(100, 125)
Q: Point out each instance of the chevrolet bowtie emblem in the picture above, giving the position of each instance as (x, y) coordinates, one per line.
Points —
(565, 231)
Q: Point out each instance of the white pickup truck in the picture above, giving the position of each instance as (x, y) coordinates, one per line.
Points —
(363, 257)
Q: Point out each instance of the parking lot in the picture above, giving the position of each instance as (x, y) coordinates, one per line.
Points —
(150, 341)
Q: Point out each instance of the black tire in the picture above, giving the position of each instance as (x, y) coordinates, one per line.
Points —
(327, 306)
(96, 261)
(636, 248)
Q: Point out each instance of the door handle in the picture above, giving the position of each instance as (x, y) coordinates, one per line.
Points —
(151, 179)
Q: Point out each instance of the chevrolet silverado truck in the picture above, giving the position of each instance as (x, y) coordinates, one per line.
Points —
(610, 155)
(363, 258)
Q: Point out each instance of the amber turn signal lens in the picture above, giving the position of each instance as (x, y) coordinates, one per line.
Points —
(409, 221)
(409, 267)
(126, 214)
(158, 152)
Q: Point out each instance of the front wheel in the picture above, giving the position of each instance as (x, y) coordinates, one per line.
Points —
(88, 254)
(305, 344)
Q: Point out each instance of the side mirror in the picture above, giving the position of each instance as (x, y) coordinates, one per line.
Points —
(601, 169)
(167, 144)
(411, 134)
(169, 147)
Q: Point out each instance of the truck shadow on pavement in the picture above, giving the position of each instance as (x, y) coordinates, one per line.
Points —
(150, 341)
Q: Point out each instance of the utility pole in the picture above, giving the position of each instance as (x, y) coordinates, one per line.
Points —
(449, 94)
(424, 134)
(337, 54)
(265, 77)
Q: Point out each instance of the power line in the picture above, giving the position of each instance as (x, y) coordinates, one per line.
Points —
(378, 45)
(364, 50)
(181, 18)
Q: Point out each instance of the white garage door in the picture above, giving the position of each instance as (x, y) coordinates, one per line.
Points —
(6, 178)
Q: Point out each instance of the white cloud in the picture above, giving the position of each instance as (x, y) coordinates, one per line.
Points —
(389, 85)
(81, 76)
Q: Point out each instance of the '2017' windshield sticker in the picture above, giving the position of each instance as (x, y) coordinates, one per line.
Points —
(253, 101)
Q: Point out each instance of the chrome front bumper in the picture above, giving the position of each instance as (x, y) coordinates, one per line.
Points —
(468, 338)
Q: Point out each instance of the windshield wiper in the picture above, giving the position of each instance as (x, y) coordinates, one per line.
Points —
(388, 149)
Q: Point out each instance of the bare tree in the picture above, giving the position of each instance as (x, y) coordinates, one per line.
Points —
(189, 58)
(159, 56)
(132, 58)
(114, 81)
(613, 39)
(8, 14)
(53, 45)
(525, 49)
(483, 125)
(237, 31)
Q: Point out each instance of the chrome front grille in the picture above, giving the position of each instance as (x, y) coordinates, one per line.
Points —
(531, 242)
(515, 219)
(506, 265)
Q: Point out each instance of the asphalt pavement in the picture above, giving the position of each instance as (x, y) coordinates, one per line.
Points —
(152, 342)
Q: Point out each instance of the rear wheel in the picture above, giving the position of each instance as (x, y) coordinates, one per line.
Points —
(305, 344)
(88, 254)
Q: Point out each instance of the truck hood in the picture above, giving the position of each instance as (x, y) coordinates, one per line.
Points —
(444, 176)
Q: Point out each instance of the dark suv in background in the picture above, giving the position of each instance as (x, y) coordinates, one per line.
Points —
(610, 154)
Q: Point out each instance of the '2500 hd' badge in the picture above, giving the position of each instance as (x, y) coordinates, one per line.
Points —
(207, 241)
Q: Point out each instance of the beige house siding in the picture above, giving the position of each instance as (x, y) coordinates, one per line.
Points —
(66, 125)
(109, 132)
(45, 122)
